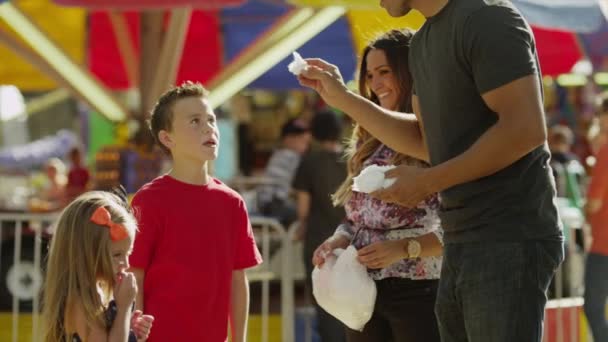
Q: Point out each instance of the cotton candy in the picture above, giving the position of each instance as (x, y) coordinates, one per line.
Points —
(372, 178)
(298, 65)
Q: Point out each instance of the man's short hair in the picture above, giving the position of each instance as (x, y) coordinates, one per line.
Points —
(326, 126)
(161, 117)
(294, 127)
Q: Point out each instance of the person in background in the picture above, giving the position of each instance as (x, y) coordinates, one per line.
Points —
(276, 200)
(560, 142)
(596, 269)
(55, 191)
(563, 161)
(78, 176)
(319, 174)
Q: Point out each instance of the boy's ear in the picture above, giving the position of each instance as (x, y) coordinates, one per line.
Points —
(165, 138)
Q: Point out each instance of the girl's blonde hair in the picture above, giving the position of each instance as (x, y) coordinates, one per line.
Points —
(361, 145)
(79, 260)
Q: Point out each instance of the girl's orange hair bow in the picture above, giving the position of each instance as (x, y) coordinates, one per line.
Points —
(102, 217)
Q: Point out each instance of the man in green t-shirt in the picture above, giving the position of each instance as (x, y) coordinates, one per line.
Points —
(478, 119)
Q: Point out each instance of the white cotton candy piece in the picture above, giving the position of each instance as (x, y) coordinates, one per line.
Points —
(344, 289)
(298, 65)
(388, 182)
(372, 178)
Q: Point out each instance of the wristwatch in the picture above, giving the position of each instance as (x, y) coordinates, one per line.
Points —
(413, 249)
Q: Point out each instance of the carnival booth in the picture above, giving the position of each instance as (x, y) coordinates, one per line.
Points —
(117, 56)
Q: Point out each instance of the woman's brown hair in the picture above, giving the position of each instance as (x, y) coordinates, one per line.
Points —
(395, 44)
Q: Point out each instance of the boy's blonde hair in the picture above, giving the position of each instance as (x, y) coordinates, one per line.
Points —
(162, 114)
(79, 259)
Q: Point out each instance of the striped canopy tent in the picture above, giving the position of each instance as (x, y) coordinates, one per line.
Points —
(216, 37)
(237, 43)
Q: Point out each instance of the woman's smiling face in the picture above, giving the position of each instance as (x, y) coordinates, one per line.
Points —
(381, 79)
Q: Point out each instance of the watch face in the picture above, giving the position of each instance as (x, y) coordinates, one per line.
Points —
(413, 248)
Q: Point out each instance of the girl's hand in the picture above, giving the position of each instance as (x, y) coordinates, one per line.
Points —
(338, 241)
(382, 254)
(141, 325)
(125, 290)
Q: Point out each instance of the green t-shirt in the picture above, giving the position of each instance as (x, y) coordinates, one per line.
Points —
(469, 48)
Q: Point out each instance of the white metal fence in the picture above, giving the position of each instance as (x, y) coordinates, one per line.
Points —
(267, 231)
(22, 274)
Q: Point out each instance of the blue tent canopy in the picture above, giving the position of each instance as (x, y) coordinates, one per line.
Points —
(582, 16)
(242, 25)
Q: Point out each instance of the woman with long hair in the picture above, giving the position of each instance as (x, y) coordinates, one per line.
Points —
(401, 247)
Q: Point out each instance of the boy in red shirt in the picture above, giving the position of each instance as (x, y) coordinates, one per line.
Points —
(195, 239)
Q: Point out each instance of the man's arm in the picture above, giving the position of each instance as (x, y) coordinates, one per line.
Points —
(239, 300)
(520, 129)
(399, 131)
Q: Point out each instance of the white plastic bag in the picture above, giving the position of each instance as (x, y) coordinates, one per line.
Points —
(372, 178)
(343, 288)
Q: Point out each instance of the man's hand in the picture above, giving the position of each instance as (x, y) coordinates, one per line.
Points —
(325, 79)
(413, 185)
(382, 254)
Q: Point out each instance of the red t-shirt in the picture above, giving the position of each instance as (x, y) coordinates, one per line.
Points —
(190, 239)
(598, 190)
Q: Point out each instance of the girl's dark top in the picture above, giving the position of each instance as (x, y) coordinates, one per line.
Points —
(110, 317)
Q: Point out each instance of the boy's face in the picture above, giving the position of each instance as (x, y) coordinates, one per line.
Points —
(195, 135)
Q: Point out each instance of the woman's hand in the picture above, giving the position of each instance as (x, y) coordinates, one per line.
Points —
(337, 241)
(382, 254)
(141, 325)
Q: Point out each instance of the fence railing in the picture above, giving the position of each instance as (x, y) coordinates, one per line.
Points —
(267, 231)
(25, 234)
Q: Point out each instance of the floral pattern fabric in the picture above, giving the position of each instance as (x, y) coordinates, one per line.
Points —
(370, 220)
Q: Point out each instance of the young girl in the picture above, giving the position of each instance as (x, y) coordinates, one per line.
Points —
(401, 247)
(88, 296)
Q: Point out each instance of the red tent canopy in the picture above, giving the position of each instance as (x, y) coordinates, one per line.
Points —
(200, 60)
(558, 51)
